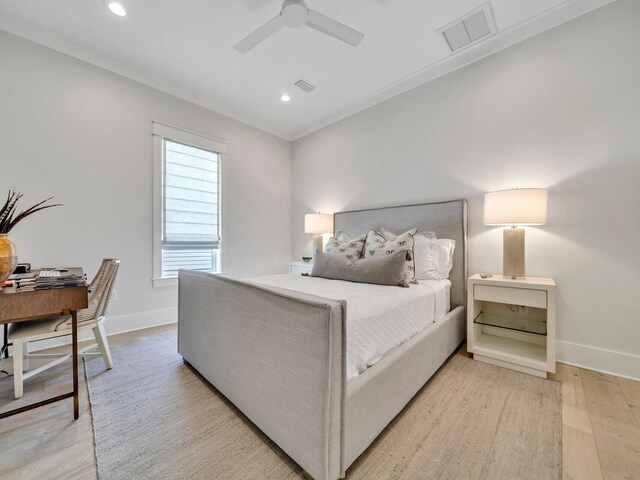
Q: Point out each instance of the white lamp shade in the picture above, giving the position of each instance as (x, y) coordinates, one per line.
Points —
(318, 223)
(519, 206)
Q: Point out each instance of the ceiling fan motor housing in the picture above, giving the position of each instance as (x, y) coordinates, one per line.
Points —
(294, 13)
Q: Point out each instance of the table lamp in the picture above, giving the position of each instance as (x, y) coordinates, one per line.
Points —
(318, 224)
(519, 206)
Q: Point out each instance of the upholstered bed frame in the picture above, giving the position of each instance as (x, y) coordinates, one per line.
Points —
(280, 357)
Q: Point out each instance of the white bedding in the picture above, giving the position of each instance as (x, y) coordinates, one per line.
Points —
(379, 318)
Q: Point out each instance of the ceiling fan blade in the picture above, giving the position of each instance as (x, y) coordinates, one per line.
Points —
(261, 34)
(331, 27)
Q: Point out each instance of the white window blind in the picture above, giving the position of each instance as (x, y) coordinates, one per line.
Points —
(190, 194)
(188, 170)
(191, 208)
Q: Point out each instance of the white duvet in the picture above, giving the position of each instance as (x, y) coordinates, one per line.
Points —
(379, 318)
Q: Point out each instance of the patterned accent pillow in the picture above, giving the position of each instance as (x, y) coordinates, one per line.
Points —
(376, 244)
(418, 251)
(350, 248)
(389, 235)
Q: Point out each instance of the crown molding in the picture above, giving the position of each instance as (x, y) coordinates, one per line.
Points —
(32, 34)
(499, 41)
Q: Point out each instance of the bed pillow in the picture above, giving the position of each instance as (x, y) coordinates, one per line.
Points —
(422, 256)
(377, 245)
(433, 257)
(379, 270)
(350, 248)
(389, 235)
(343, 237)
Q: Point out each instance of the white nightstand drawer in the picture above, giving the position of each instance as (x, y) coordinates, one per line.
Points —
(514, 296)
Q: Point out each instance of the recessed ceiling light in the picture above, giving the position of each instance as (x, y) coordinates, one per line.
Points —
(116, 7)
(284, 97)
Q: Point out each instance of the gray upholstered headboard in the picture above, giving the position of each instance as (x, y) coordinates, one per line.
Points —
(446, 219)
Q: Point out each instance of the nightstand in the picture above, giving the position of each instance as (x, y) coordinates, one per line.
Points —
(300, 267)
(512, 322)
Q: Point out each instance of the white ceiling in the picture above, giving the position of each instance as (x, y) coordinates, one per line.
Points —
(185, 47)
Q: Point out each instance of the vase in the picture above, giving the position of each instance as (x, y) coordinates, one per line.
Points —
(8, 258)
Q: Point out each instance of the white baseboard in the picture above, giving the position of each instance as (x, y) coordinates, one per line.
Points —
(115, 325)
(620, 364)
(138, 321)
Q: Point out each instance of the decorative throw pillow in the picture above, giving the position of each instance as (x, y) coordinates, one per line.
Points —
(389, 235)
(350, 248)
(417, 252)
(380, 270)
(434, 258)
(343, 237)
(376, 244)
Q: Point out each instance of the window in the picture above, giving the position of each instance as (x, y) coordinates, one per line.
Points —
(187, 209)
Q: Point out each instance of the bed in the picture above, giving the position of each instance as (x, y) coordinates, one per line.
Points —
(279, 351)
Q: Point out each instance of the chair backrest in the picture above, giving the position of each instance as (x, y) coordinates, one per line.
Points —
(100, 273)
(101, 288)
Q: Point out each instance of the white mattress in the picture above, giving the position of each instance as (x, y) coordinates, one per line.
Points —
(379, 318)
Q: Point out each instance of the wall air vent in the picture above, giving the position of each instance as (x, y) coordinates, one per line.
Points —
(470, 28)
(304, 85)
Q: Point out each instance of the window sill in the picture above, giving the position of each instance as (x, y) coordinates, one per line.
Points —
(165, 282)
(173, 281)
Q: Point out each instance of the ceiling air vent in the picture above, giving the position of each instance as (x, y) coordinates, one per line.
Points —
(304, 85)
(470, 28)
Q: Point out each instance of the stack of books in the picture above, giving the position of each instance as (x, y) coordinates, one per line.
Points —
(48, 278)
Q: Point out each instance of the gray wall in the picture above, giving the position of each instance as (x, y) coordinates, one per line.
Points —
(82, 134)
(561, 111)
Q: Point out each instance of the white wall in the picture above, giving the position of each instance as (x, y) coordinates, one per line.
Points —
(561, 111)
(83, 135)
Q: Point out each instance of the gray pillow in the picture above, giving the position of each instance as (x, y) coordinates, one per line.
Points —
(379, 270)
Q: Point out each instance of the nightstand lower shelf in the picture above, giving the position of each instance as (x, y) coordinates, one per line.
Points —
(509, 352)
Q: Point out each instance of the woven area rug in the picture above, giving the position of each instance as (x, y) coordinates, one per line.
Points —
(156, 418)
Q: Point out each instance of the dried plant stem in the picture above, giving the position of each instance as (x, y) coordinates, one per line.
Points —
(8, 216)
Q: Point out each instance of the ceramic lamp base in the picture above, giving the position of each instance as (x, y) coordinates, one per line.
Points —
(318, 244)
(513, 253)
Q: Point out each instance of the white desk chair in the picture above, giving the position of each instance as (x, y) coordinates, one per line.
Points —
(92, 317)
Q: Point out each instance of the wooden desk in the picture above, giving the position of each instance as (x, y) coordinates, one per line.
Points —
(21, 307)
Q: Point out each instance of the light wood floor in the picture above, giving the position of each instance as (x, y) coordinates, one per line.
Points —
(600, 414)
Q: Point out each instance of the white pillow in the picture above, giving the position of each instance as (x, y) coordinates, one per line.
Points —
(389, 235)
(434, 258)
(343, 237)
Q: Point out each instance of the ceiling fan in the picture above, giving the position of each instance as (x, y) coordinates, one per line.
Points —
(294, 14)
